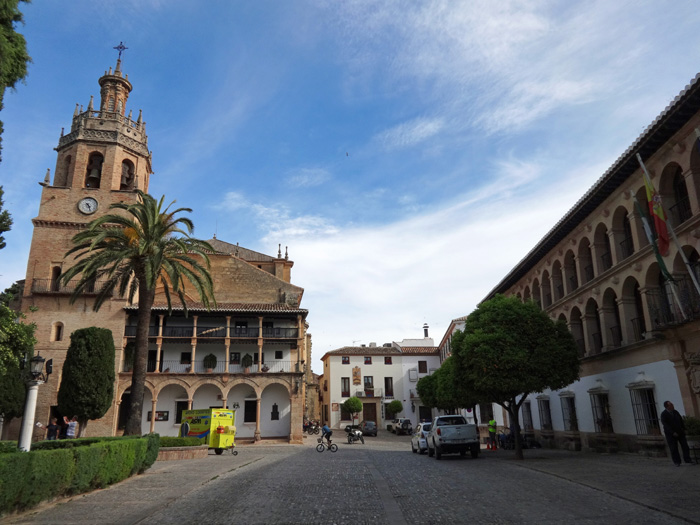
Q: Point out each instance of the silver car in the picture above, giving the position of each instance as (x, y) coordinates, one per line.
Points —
(418, 439)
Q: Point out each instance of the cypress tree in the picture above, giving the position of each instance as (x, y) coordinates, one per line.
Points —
(87, 385)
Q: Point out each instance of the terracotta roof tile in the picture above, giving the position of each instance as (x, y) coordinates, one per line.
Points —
(230, 307)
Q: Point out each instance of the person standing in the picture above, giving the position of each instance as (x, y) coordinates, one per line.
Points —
(72, 424)
(52, 430)
(674, 430)
(492, 435)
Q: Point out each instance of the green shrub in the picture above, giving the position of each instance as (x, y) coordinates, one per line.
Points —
(692, 425)
(56, 468)
(167, 442)
(7, 447)
(153, 445)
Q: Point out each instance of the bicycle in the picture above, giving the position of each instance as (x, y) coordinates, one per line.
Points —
(322, 445)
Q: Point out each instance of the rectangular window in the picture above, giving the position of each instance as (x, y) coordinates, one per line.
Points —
(486, 413)
(601, 413)
(545, 414)
(344, 387)
(179, 407)
(568, 412)
(387, 360)
(422, 367)
(368, 359)
(240, 328)
(278, 354)
(345, 360)
(268, 329)
(389, 386)
(185, 358)
(527, 416)
(235, 358)
(344, 414)
(644, 407)
(369, 385)
(250, 412)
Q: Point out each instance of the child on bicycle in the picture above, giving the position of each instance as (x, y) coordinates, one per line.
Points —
(326, 433)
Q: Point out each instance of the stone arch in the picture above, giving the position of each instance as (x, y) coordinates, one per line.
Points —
(694, 175)
(585, 261)
(275, 411)
(57, 330)
(686, 278)
(570, 274)
(536, 296)
(128, 175)
(173, 381)
(611, 320)
(93, 171)
(546, 289)
(557, 281)
(674, 194)
(601, 244)
(622, 233)
(594, 344)
(576, 329)
(632, 310)
(641, 196)
(526, 294)
(207, 394)
(659, 297)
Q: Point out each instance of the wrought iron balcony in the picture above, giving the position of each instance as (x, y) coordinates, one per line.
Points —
(177, 366)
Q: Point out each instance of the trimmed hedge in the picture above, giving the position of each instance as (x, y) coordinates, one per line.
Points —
(167, 442)
(57, 468)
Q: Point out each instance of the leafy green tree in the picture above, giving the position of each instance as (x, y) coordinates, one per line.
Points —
(144, 246)
(5, 218)
(395, 407)
(16, 343)
(353, 406)
(87, 379)
(427, 390)
(11, 294)
(511, 349)
(446, 392)
(13, 50)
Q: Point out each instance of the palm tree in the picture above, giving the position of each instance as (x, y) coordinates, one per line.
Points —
(132, 252)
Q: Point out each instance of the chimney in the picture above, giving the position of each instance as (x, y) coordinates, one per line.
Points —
(373, 345)
(425, 330)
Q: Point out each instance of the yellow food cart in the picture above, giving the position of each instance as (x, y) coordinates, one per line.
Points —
(215, 426)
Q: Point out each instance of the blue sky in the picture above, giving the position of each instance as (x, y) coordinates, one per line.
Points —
(409, 154)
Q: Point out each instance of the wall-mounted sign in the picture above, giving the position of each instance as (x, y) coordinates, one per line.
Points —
(161, 415)
(335, 407)
(356, 379)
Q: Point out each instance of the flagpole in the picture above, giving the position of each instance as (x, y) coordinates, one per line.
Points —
(659, 258)
(669, 226)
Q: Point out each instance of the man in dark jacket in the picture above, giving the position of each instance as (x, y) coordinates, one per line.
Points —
(674, 430)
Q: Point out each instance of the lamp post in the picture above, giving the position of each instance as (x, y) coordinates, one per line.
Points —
(37, 377)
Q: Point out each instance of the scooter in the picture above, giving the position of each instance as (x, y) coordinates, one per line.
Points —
(354, 434)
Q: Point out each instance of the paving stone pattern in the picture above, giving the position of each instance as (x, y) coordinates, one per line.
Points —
(382, 482)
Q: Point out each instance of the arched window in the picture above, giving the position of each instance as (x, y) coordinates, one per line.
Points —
(127, 179)
(680, 211)
(626, 244)
(93, 173)
(63, 169)
(57, 331)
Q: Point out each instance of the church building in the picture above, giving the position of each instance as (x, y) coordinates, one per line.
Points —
(251, 352)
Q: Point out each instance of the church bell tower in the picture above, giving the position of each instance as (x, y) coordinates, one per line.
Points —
(103, 160)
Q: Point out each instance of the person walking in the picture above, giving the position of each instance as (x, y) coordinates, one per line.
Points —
(492, 435)
(674, 430)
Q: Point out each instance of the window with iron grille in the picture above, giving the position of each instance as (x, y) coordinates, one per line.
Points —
(344, 387)
(422, 367)
(345, 359)
(527, 416)
(486, 412)
(568, 412)
(644, 407)
(368, 359)
(387, 359)
(389, 386)
(601, 413)
(545, 414)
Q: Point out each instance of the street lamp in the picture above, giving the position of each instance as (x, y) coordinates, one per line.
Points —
(36, 367)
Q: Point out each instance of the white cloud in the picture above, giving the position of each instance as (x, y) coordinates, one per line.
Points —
(410, 133)
(308, 177)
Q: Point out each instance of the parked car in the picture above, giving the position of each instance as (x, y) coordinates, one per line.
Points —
(402, 425)
(450, 434)
(419, 441)
(369, 428)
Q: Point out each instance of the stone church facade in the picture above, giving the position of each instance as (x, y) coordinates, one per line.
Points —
(195, 361)
(638, 335)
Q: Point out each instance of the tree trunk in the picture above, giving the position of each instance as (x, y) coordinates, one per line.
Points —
(82, 425)
(138, 374)
(513, 409)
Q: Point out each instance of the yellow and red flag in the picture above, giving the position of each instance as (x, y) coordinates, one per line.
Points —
(656, 210)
